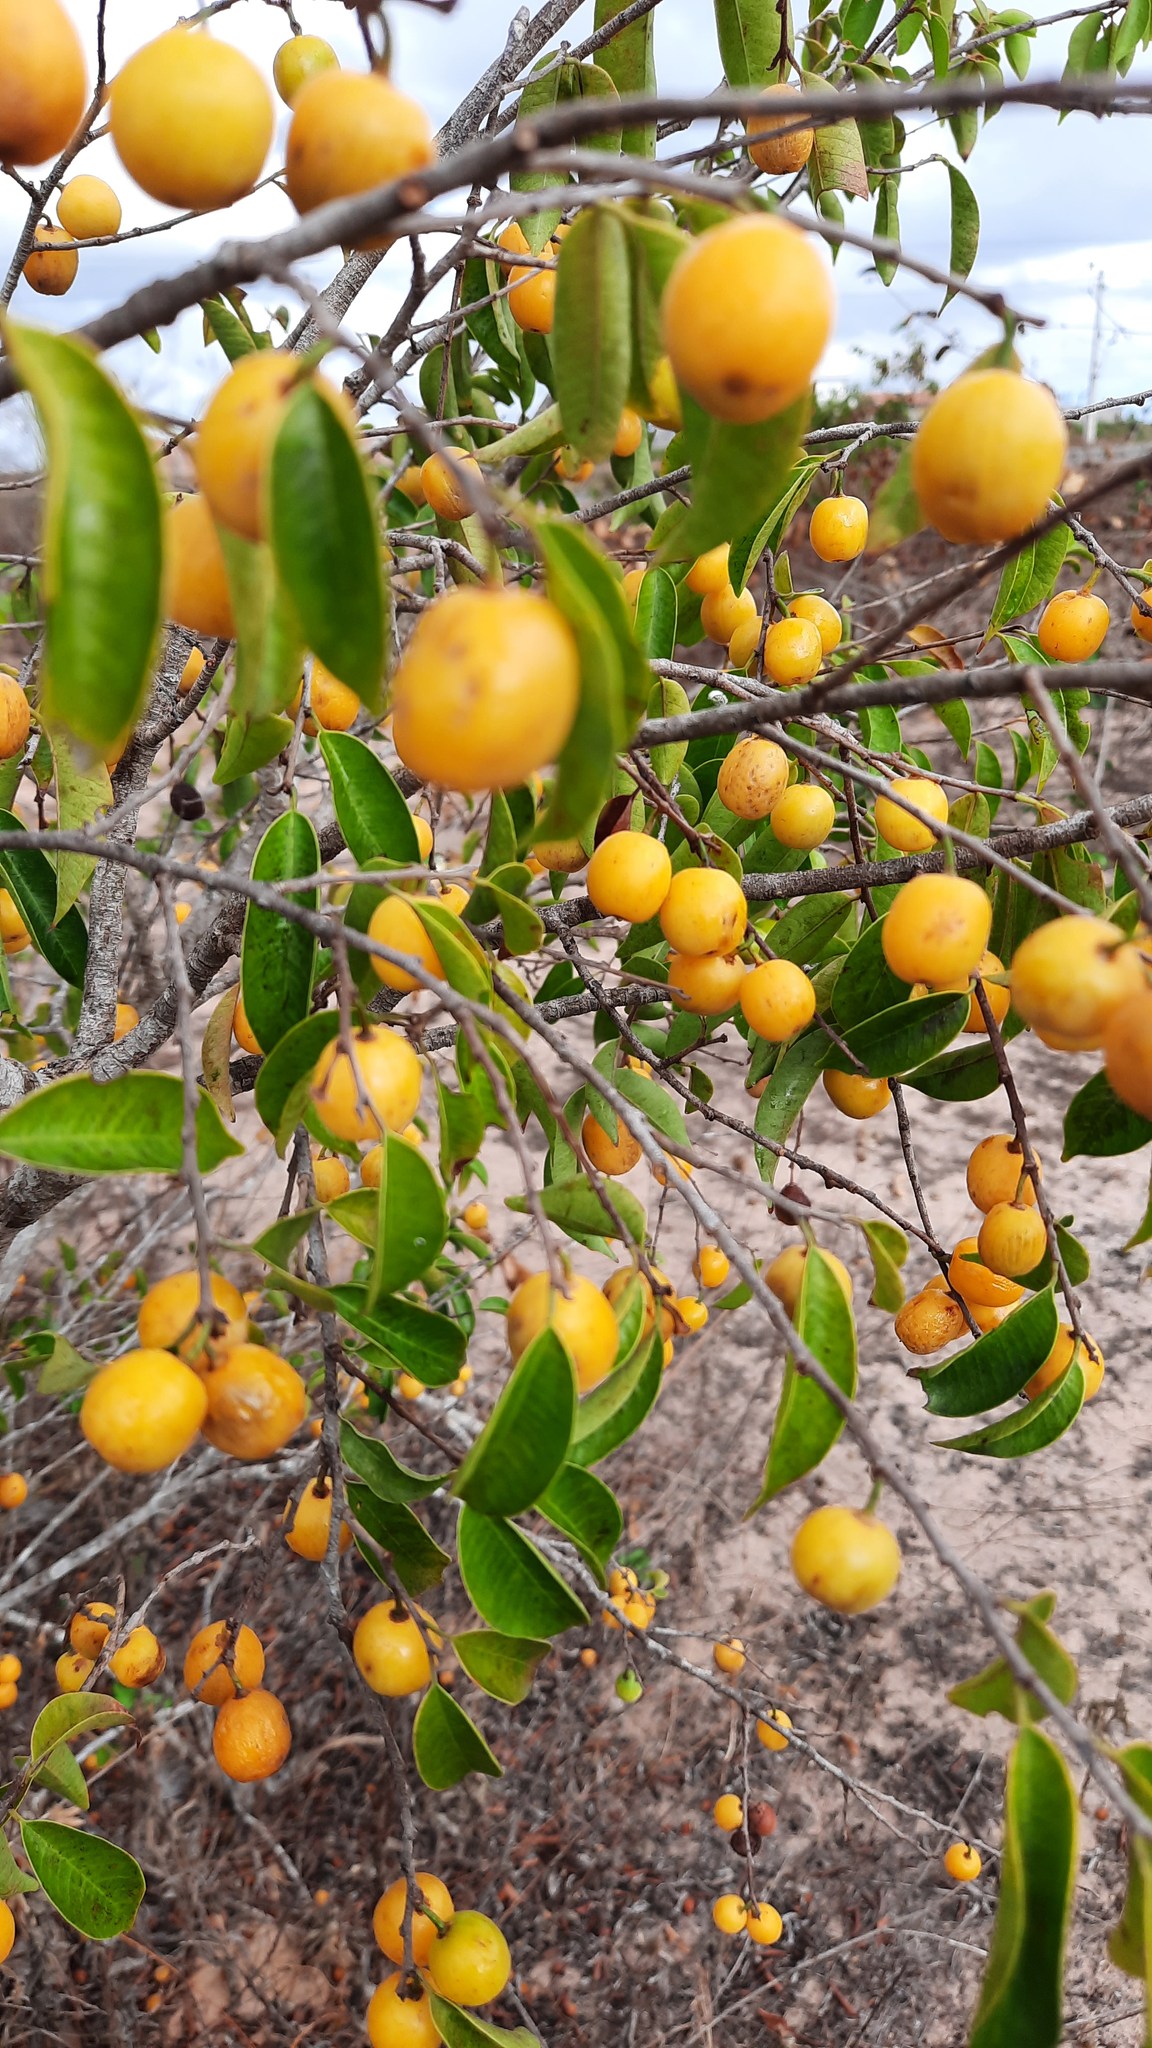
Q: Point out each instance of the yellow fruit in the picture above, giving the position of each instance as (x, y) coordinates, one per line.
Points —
(88, 209)
(532, 299)
(127, 1018)
(723, 615)
(928, 1321)
(712, 1267)
(752, 778)
(747, 314)
(729, 1656)
(372, 1167)
(838, 529)
(772, 1732)
(256, 1402)
(898, 826)
(937, 928)
(1065, 1346)
(475, 1216)
(191, 119)
(629, 434)
(980, 1287)
(608, 1156)
(191, 672)
(664, 407)
(728, 1812)
(351, 131)
(785, 1274)
(13, 930)
(691, 1312)
(629, 876)
(444, 481)
(764, 1925)
(1142, 620)
(11, 1669)
(630, 584)
(330, 1179)
(143, 1410)
(395, 923)
(709, 572)
(332, 706)
(777, 1000)
(390, 1651)
(138, 1661)
(487, 689)
(298, 60)
(72, 1672)
(424, 837)
(705, 984)
(846, 1559)
(963, 1862)
(252, 1737)
(995, 1173)
(400, 2016)
(388, 1918)
(469, 1963)
(9, 1694)
(307, 1526)
(730, 1914)
(43, 80)
(561, 856)
(196, 592)
(1013, 1239)
(51, 270)
(857, 1095)
(381, 1091)
(1073, 625)
(704, 912)
(571, 468)
(788, 139)
(582, 1319)
(988, 455)
(793, 652)
(221, 1659)
(1071, 974)
(1128, 1051)
(804, 816)
(166, 1321)
(88, 1629)
(233, 447)
(998, 993)
(822, 615)
(13, 1490)
(242, 1030)
(15, 718)
(745, 641)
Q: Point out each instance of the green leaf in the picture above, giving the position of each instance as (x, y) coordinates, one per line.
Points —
(221, 324)
(269, 648)
(131, 1125)
(591, 338)
(282, 1082)
(807, 1425)
(790, 1084)
(887, 1281)
(965, 227)
(655, 246)
(578, 1208)
(587, 1510)
(1029, 578)
(614, 676)
(13, 1880)
(1098, 1125)
(657, 606)
(866, 985)
(420, 1563)
(460, 2029)
(738, 473)
(660, 1109)
(446, 1743)
(63, 1371)
(749, 36)
(965, 1075)
(72, 1714)
(101, 546)
(903, 1037)
(614, 1410)
(412, 1217)
(501, 1665)
(466, 966)
(81, 795)
(629, 61)
(996, 1689)
(278, 956)
(510, 1584)
(1130, 1942)
(325, 541)
(804, 931)
(94, 1886)
(429, 1346)
(385, 1476)
(837, 161)
(370, 810)
(61, 1775)
(31, 881)
(895, 514)
(745, 552)
(540, 94)
(887, 227)
(998, 1365)
(249, 744)
(1021, 1999)
(523, 1443)
(1031, 1428)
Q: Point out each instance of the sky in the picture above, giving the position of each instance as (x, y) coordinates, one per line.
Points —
(1059, 205)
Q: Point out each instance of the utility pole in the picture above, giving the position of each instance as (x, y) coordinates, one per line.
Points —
(1094, 357)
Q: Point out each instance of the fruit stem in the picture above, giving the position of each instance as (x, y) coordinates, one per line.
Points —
(873, 1500)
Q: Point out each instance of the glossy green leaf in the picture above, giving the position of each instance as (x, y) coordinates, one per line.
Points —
(510, 1583)
(807, 1424)
(382, 1473)
(1031, 1428)
(998, 1365)
(657, 606)
(370, 810)
(429, 1346)
(420, 1563)
(82, 792)
(100, 573)
(866, 985)
(837, 161)
(95, 1886)
(466, 966)
(73, 1714)
(62, 1370)
(412, 1218)
(13, 1880)
(591, 337)
(1021, 1998)
(460, 2029)
(630, 63)
(278, 955)
(578, 1208)
(1030, 576)
(887, 226)
(745, 552)
(614, 1410)
(249, 744)
(446, 1743)
(790, 1084)
(904, 1037)
(584, 1508)
(749, 36)
(614, 675)
(655, 246)
(966, 1074)
(501, 1665)
(738, 473)
(965, 233)
(997, 1690)
(1098, 1125)
(804, 931)
(61, 1777)
(130, 1125)
(887, 1281)
(895, 513)
(282, 1082)
(1130, 1942)
(269, 647)
(523, 1443)
(31, 880)
(326, 543)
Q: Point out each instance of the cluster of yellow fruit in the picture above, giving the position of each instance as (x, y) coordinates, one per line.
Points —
(793, 649)
(1083, 987)
(10, 1672)
(584, 1317)
(463, 1957)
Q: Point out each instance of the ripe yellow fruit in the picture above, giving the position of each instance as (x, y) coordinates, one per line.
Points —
(609, 1156)
(788, 138)
(898, 826)
(1142, 620)
(822, 615)
(962, 1862)
(222, 1659)
(233, 447)
(937, 928)
(424, 836)
(11, 1669)
(629, 434)
(838, 529)
(381, 1092)
(995, 1173)
(307, 1526)
(582, 1319)
(49, 269)
(664, 408)
(398, 2019)
(630, 584)
(191, 119)
(804, 816)
(708, 574)
(772, 1732)
(143, 1410)
(722, 614)
(13, 1490)
(88, 209)
(1128, 1051)
(571, 468)
(252, 1737)
(72, 1672)
(786, 1273)
(845, 1558)
(764, 1925)
(745, 640)
(388, 1918)
(242, 1030)
(998, 993)
(859, 1096)
(705, 984)
(728, 1812)
(256, 1401)
(1069, 975)
(1073, 625)
(793, 652)
(1012, 1240)
(1065, 1346)
(777, 1000)
(330, 1179)
(139, 1660)
(729, 1656)
(298, 60)
(712, 1267)
(332, 706)
(475, 1216)
(532, 299)
(9, 1694)
(928, 1321)
(988, 455)
(747, 314)
(629, 876)
(442, 480)
(704, 912)
(730, 1914)
(7, 1930)
(352, 131)
(980, 1287)
(390, 1651)
(13, 930)
(165, 1319)
(196, 591)
(691, 1312)
(395, 923)
(487, 689)
(560, 856)
(88, 1629)
(752, 778)
(15, 718)
(469, 1963)
(192, 671)
(127, 1018)
(43, 80)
